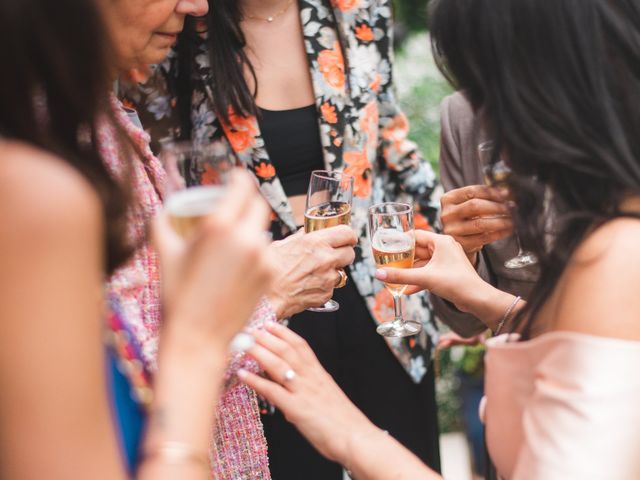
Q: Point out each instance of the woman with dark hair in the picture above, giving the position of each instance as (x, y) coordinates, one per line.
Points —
(294, 87)
(558, 85)
(66, 400)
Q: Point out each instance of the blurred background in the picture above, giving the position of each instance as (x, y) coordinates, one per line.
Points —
(459, 370)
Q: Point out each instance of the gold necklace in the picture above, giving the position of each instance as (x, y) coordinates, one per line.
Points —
(271, 18)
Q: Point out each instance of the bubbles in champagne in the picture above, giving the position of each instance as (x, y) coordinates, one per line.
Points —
(186, 208)
(326, 215)
(390, 240)
(195, 201)
(393, 248)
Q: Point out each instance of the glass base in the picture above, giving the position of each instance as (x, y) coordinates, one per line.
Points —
(399, 328)
(523, 260)
(330, 306)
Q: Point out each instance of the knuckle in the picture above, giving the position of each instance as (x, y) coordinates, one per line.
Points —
(328, 283)
(473, 207)
(351, 257)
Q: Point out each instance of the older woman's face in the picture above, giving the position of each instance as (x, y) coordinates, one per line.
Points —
(144, 31)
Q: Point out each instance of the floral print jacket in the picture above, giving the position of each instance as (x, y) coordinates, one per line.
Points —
(363, 132)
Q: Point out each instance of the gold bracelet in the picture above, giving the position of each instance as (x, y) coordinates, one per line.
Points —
(177, 453)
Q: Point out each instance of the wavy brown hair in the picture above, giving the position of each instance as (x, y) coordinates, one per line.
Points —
(57, 68)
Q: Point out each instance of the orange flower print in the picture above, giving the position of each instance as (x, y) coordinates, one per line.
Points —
(345, 5)
(265, 171)
(383, 306)
(240, 132)
(328, 112)
(359, 166)
(210, 176)
(375, 85)
(337, 141)
(364, 33)
(420, 222)
(331, 63)
(396, 131)
(370, 118)
(126, 103)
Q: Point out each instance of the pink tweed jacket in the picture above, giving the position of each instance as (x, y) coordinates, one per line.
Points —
(238, 447)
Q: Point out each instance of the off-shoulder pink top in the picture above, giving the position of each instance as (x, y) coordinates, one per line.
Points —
(563, 406)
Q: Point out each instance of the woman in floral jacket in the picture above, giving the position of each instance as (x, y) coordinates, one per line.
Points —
(292, 87)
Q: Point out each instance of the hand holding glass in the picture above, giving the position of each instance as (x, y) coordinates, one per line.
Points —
(497, 175)
(195, 175)
(328, 205)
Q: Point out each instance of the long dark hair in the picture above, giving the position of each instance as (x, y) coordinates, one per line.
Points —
(558, 85)
(57, 65)
(228, 61)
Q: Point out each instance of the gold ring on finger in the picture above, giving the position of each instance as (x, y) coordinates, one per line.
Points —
(342, 281)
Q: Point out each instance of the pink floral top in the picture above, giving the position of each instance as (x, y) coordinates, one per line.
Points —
(238, 448)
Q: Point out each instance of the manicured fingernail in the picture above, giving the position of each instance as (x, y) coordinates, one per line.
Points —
(271, 326)
(241, 343)
(242, 373)
(381, 274)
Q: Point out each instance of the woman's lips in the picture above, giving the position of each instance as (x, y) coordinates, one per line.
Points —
(168, 36)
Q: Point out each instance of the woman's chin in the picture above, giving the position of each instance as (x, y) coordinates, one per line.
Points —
(158, 55)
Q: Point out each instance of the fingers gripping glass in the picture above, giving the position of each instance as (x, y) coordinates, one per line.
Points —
(393, 243)
(195, 174)
(328, 205)
(497, 175)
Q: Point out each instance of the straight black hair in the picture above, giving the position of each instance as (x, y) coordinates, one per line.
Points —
(57, 68)
(557, 83)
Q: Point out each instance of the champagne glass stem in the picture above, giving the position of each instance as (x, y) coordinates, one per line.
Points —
(397, 307)
(520, 251)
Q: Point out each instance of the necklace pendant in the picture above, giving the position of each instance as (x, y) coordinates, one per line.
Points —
(269, 19)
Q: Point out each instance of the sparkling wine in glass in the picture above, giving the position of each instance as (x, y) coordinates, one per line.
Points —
(195, 175)
(328, 205)
(393, 244)
(497, 175)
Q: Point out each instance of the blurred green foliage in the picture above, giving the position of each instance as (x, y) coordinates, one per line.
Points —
(411, 14)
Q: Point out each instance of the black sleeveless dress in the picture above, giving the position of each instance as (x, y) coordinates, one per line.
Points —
(345, 341)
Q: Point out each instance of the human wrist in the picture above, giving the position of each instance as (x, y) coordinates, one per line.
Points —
(486, 303)
(356, 436)
(180, 343)
(278, 305)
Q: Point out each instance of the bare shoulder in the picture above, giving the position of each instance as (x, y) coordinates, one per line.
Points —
(39, 192)
(599, 292)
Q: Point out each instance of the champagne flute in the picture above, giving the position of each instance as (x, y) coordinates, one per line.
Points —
(195, 178)
(393, 243)
(497, 175)
(328, 205)
(195, 175)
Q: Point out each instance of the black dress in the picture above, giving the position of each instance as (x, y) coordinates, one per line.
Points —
(345, 341)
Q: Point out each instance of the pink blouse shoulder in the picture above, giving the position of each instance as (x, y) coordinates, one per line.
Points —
(564, 405)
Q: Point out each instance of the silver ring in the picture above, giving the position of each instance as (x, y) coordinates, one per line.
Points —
(289, 375)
